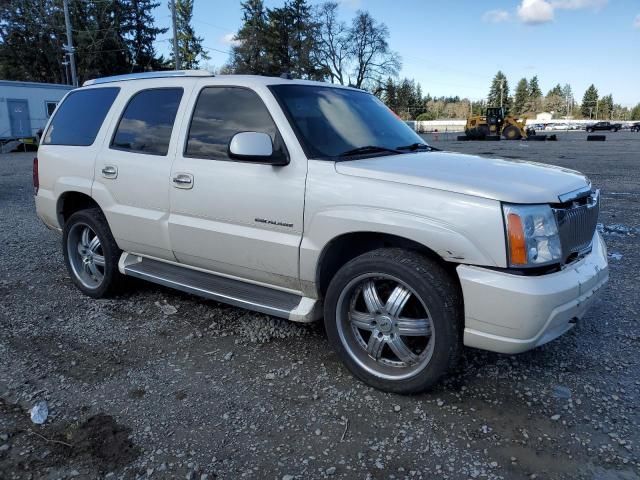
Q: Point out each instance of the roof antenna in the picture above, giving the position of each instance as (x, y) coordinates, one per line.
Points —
(286, 76)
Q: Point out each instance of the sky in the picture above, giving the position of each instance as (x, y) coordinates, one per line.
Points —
(455, 47)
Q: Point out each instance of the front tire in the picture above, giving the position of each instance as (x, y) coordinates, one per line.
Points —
(91, 253)
(511, 133)
(394, 317)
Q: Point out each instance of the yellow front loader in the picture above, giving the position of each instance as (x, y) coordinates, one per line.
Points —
(495, 123)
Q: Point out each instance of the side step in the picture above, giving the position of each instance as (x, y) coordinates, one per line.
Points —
(222, 289)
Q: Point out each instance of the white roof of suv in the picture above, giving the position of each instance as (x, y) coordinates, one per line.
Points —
(257, 79)
(143, 75)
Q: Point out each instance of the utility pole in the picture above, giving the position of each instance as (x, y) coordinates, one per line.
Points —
(65, 64)
(501, 91)
(176, 57)
(69, 47)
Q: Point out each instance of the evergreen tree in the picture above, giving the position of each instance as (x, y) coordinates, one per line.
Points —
(521, 97)
(499, 90)
(635, 112)
(304, 41)
(557, 90)
(110, 37)
(31, 41)
(534, 103)
(249, 53)
(554, 101)
(605, 107)
(190, 47)
(292, 41)
(589, 102)
(141, 33)
(390, 97)
(279, 40)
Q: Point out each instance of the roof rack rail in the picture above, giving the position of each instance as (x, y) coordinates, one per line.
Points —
(138, 76)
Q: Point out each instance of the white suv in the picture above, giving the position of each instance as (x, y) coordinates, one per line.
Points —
(306, 200)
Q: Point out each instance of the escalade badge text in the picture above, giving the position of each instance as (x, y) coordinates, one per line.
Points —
(274, 222)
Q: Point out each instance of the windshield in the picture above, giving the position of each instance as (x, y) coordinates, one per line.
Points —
(335, 122)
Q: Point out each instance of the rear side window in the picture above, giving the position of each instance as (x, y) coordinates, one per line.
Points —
(147, 122)
(78, 120)
(220, 113)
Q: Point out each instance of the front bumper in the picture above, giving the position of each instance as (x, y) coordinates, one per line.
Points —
(511, 314)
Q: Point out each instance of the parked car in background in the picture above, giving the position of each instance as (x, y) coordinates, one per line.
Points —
(635, 127)
(537, 126)
(600, 126)
(306, 200)
(558, 126)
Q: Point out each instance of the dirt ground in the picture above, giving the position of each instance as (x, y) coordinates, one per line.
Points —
(138, 389)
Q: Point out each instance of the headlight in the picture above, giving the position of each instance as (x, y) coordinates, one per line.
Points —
(532, 235)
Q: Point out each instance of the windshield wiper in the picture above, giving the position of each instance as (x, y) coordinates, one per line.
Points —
(418, 146)
(368, 149)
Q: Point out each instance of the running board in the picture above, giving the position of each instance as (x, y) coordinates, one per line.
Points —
(222, 289)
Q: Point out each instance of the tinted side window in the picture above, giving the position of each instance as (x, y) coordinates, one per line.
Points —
(50, 106)
(220, 113)
(147, 121)
(80, 116)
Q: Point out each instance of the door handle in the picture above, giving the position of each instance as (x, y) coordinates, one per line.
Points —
(183, 180)
(109, 171)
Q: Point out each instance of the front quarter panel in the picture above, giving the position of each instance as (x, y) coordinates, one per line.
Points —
(459, 228)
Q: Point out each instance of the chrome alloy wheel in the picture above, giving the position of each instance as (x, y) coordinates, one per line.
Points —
(385, 326)
(86, 255)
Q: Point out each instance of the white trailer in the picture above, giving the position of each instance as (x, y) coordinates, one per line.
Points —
(25, 107)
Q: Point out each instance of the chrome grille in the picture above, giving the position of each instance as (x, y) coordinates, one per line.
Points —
(577, 224)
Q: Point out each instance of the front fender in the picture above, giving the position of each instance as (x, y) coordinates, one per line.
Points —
(451, 242)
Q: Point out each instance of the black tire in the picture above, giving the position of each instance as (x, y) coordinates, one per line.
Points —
(614, 129)
(511, 133)
(477, 133)
(111, 276)
(432, 286)
(589, 130)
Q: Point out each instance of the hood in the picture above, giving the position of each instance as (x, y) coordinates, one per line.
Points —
(510, 181)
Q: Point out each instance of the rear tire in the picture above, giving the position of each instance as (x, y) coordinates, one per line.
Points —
(91, 253)
(394, 317)
(477, 133)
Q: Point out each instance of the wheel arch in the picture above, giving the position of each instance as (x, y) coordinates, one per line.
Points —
(73, 201)
(348, 246)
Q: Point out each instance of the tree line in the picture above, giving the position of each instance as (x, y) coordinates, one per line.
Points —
(307, 41)
(528, 100)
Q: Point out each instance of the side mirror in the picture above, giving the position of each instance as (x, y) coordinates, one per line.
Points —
(254, 147)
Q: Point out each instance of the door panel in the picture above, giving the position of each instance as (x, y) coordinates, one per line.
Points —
(132, 171)
(19, 118)
(242, 219)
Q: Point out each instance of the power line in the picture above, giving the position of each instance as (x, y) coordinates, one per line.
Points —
(212, 25)
(228, 52)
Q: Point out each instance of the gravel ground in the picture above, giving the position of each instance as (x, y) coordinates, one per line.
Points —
(161, 384)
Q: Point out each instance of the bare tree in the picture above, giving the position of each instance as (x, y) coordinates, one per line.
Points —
(334, 53)
(370, 50)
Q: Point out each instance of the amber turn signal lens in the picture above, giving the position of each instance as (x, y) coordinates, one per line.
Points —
(517, 243)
